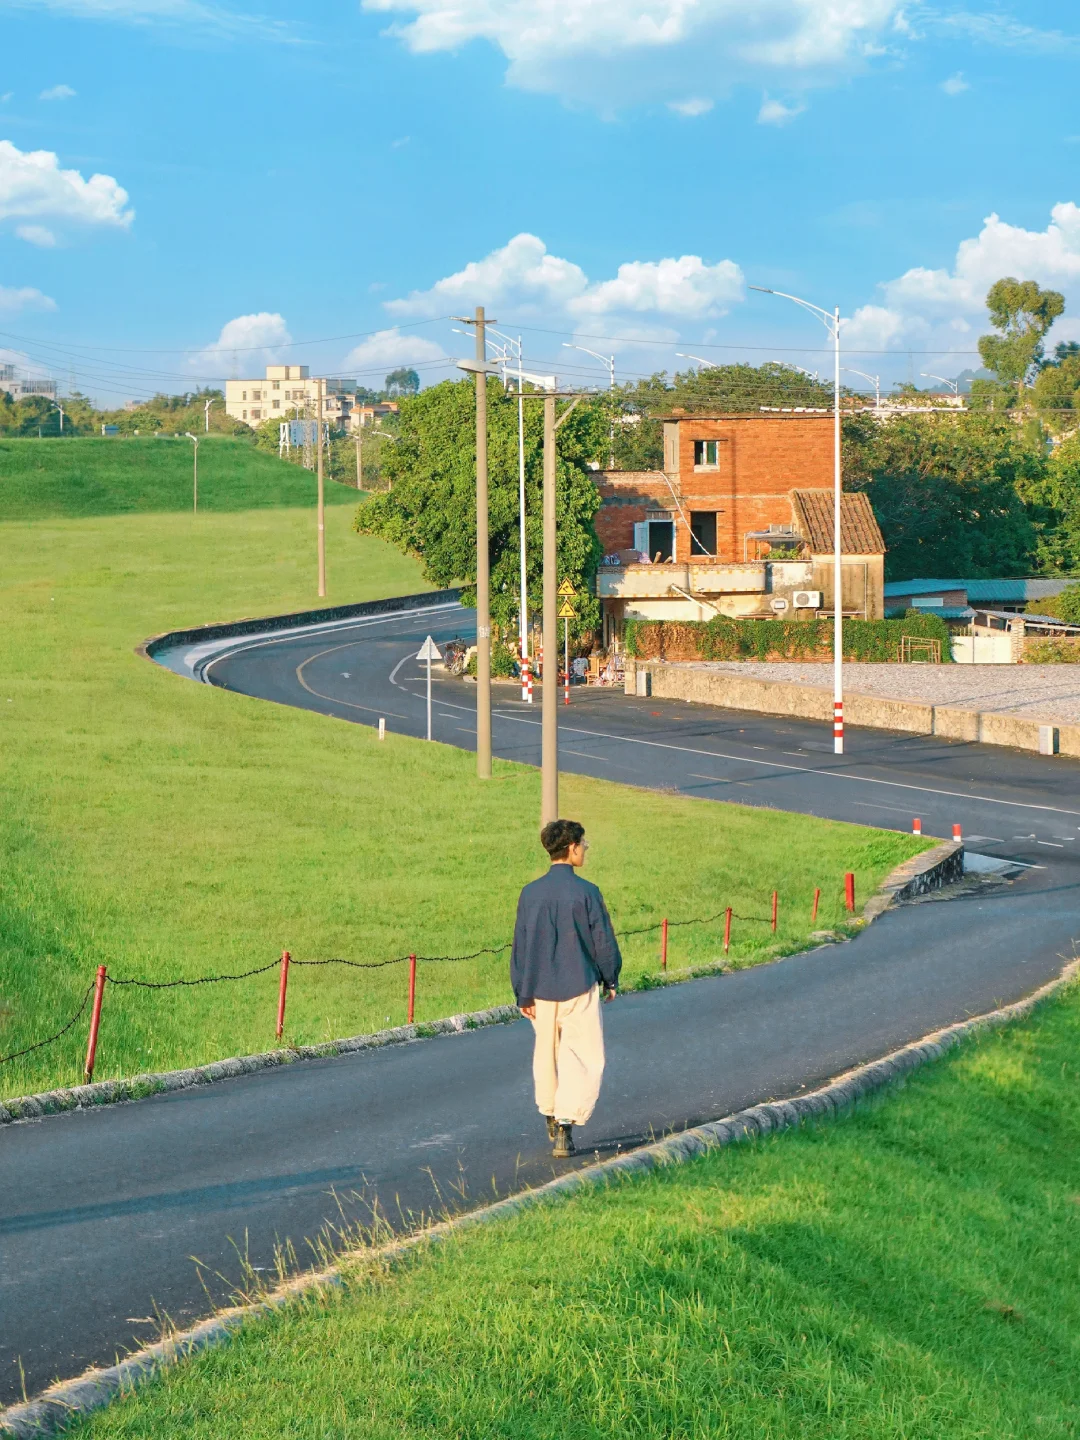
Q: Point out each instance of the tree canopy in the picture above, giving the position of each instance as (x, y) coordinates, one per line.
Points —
(402, 381)
(430, 508)
(1021, 314)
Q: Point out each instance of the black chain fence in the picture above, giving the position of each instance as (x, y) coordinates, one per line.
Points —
(352, 965)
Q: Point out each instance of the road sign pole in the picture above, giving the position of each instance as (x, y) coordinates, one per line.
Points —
(429, 651)
(566, 660)
(429, 697)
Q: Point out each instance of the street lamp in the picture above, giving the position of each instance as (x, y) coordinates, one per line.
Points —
(954, 385)
(709, 364)
(609, 361)
(195, 441)
(831, 320)
(875, 381)
(57, 406)
(206, 414)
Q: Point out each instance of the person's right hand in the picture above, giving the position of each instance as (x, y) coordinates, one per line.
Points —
(610, 993)
(529, 1011)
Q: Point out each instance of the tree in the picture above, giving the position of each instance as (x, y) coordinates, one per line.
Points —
(1021, 313)
(402, 381)
(959, 495)
(430, 511)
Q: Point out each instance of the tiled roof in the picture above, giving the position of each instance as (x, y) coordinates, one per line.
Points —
(859, 532)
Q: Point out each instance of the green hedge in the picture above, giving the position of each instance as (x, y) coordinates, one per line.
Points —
(723, 639)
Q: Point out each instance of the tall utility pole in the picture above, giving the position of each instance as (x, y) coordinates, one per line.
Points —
(609, 361)
(322, 498)
(359, 461)
(483, 562)
(831, 320)
(549, 712)
(206, 414)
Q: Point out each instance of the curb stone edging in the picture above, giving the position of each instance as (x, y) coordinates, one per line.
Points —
(96, 1388)
(930, 870)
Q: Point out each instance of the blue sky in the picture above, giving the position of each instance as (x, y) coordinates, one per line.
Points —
(188, 190)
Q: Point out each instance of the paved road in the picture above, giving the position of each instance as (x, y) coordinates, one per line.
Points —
(102, 1211)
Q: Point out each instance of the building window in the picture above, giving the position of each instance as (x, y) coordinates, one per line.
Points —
(277, 404)
(706, 454)
(256, 394)
(243, 395)
(256, 414)
(277, 384)
(702, 533)
(245, 415)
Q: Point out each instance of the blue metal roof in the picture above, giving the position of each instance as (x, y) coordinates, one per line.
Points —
(982, 591)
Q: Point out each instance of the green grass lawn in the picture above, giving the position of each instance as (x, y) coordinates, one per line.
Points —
(168, 829)
(908, 1274)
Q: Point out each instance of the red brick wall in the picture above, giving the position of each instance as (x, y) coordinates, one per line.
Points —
(762, 459)
(625, 502)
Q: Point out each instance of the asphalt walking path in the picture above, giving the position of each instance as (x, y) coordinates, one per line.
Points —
(102, 1211)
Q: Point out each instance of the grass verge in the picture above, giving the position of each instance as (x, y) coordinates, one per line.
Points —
(171, 830)
(910, 1274)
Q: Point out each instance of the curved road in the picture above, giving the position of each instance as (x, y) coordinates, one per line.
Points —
(101, 1211)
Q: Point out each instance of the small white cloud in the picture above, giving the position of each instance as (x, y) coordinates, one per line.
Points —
(521, 270)
(33, 188)
(686, 286)
(7, 95)
(389, 349)
(774, 112)
(245, 345)
(23, 297)
(691, 109)
(955, 84)
(57, 92)
(400, 144)
(36, 235)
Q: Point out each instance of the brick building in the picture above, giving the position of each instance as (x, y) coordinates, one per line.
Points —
(739, 523)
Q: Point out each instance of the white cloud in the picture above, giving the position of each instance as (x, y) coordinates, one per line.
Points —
(188, 14)
(521, 271)
(955, 84)
(691, 109)
(57, 92)
(931, 309)
(615, 52)
(387, 350)
(523, 276)
(33, 188)
(774, 112)
(36, 235)
(245, 345)
(686, 287)
(23, 297)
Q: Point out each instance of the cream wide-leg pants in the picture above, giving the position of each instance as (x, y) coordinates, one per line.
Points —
(568, 1060)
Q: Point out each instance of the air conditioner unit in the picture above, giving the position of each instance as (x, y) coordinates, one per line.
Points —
(807, 599)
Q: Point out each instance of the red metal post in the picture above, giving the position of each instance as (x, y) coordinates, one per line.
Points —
(282, 988)
(849, 891)
(95, 1024)
(412, 987)
(916, 827)
(813, 912)
(727, 929)
(957, 832)
(663, 943)
(775, 902)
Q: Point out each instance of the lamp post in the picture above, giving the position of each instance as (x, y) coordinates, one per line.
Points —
(195, 501)
(206, 415)
(57, 406)
(609, 361)
(709, 364)
(481, 369)
(831, 320)
(321, 492)
(875, 381)
(954, 385)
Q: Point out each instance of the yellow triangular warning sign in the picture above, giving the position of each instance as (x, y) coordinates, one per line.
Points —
(566, 589)
(567, 611)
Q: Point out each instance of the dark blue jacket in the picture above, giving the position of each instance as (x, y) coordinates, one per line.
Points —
(563, 940)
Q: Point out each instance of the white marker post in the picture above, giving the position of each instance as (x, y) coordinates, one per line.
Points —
(429, 651)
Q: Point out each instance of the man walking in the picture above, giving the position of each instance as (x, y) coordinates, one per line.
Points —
(564, 951)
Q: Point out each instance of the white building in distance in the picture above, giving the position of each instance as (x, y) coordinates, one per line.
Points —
(289, 392)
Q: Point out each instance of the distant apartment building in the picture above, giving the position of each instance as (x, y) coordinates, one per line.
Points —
(289, 391)
(21, 386)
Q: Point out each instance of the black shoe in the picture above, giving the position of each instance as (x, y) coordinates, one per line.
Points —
(549, 1121)
(564, 1141)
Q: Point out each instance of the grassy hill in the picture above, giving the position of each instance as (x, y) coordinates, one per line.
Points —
(170, 830)
(98, 476)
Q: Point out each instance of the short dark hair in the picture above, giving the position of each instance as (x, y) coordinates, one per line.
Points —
(558, 835)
